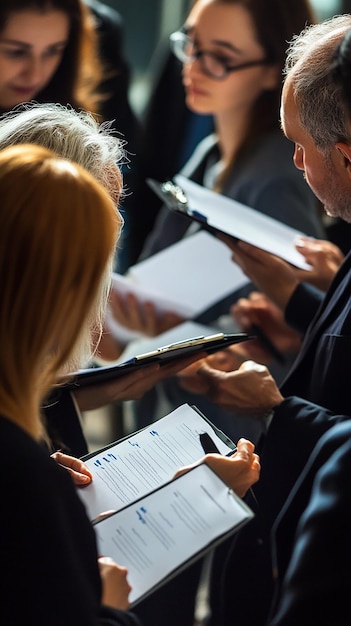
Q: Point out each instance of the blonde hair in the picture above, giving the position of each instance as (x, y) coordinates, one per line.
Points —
(58, 230)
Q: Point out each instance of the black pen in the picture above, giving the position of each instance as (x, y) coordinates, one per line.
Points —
(207, 443)
(268, 345)
(209, 446)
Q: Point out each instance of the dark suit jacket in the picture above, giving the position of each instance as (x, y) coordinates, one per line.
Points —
(321, 375)
(303, 306)
(321, 371)
(313, 570)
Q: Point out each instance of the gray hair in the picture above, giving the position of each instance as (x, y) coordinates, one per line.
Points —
(308, 68)
(76, 136)
(73, 135)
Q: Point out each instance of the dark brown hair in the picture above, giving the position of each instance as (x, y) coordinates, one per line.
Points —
(275, 22)
(80, 72)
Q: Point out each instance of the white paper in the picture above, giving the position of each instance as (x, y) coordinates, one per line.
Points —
(157, 535)
(187, 277)
(133, 284)
(243, 222)
(146, 460)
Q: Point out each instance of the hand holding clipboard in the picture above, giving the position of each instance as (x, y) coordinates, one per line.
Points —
(162, 355)
(219, 214)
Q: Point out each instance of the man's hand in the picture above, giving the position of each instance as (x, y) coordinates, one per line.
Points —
(225, 360)
(239, 471)
(249, 390)
(259, 310)
(275, 277)
(325, 259)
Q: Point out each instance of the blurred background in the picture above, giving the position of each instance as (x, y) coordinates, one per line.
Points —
(148, 25)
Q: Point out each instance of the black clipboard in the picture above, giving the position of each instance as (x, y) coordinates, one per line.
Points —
(163, 355)
(270, 234)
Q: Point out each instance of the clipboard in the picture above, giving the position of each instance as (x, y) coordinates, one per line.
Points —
(219, 214)
(135, 473)
(164, 532)
(176, 200)
(227, 441)
(163, 355)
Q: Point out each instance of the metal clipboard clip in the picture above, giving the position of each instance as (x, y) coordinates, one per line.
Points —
(171, 194)
(176, 199)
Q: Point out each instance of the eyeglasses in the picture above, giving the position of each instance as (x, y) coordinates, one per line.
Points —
(214, 66)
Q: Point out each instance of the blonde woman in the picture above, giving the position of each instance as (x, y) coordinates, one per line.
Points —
(52, 212)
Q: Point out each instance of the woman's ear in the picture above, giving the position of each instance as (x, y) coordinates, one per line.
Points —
(345, 151)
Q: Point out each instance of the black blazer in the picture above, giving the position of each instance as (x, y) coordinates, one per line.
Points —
(321, 371)
(313, 570)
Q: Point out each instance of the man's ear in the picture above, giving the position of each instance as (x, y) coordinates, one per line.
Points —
(345, 151)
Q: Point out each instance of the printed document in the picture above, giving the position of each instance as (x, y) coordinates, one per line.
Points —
(132, 467)
(168, 529)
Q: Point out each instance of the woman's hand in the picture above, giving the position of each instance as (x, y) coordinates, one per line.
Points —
(239, 471)
(130, 386)
(115, 586)
(79, 472)
(141, 316)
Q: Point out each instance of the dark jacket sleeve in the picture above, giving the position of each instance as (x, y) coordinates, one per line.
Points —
(296, 427)
(318, 578)
(302, 306)
(113, 617)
